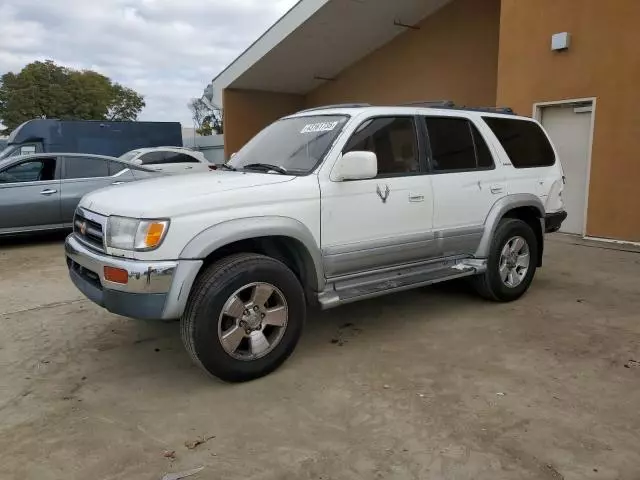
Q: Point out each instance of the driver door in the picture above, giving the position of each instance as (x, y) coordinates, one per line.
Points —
(386, 220)
(30, 195)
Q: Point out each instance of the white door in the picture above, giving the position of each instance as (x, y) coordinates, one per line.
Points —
(569, 127)
(466, 182)
(385, 220)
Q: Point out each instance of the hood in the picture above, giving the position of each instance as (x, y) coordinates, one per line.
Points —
(160, 197)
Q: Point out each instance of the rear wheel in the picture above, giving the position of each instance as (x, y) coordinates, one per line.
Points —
(512, 262)
(244, 317)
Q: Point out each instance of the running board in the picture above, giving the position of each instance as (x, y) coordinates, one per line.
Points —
(353, 288)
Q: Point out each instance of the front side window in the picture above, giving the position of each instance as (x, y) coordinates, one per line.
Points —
(40, 170)
(116, 167)
(85, 167)
(296, 145)
(456, 145)
(524, 142)
(393, 140)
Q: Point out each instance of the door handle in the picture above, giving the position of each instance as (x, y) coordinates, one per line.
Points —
(416, 198)
(49, 191)
(188, 168)
(497, 189)
(117, 183)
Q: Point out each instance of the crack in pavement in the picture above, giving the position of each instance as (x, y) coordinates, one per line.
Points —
(45, 306)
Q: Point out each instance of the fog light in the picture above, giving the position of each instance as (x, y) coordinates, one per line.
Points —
(116, 275)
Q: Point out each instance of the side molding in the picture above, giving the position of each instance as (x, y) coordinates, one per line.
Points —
(499, 209)
(221, 234)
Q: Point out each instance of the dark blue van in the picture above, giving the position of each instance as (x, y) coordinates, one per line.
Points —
(90, 136)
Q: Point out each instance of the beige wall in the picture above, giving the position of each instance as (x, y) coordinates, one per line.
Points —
(601, 62)
(246, 112)
(453, 56)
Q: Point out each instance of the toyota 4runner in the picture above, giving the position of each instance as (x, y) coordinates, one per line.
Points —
(324, 207)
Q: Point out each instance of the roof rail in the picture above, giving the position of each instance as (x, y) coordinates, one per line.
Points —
(505, 110)
(449, 104)
(337, 105)
(431, 104)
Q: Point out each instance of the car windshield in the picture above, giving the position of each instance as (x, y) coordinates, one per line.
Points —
(129, 155)
(293, 145)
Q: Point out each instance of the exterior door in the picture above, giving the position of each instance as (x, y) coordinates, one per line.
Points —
(30, 195)
(382, 221)
(569, 127)
(466, 183)
(81, 175)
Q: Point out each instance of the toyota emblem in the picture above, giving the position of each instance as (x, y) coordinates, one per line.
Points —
(83, 228)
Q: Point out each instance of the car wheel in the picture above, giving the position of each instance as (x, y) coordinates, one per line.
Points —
(512, 262)
(244, 317)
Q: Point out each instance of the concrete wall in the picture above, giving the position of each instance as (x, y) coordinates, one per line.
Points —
(453, 56)
(601, 62)
(246, 112)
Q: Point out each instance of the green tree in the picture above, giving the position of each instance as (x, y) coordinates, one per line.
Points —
(47, 90)
(207, 120)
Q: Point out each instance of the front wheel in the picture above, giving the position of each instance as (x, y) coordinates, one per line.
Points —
(244, 317)
(511, 264)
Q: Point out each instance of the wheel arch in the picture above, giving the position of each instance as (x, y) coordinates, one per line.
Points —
(526, 207)
(283, 238)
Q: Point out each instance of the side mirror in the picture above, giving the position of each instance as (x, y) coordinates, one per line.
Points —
(357, 165)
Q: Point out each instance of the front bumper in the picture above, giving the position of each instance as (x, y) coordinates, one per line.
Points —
(154, 290)
(553, 221)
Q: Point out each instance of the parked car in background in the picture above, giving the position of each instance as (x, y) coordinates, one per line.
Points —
(89, 136)
(41, 191)
(169, 159)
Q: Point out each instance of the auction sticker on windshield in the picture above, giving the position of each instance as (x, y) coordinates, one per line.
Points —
(319, 127)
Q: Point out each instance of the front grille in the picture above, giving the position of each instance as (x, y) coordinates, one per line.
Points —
(88, 230)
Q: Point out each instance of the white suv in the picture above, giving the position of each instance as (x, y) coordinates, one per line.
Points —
(325, 207)
(172, 160)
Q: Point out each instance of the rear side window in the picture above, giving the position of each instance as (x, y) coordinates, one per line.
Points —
(153, 158)
(456, 145)
(175, 157)
(85, 167)
(525, 143)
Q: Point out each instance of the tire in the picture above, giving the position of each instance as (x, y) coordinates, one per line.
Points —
(213, 315)
(490, 285)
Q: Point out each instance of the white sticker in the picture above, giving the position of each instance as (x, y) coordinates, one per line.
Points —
(319, 127)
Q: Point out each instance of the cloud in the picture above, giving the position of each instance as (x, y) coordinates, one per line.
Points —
(167, 50)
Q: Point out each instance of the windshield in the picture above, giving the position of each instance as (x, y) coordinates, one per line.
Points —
(129, 155)
(296, 145)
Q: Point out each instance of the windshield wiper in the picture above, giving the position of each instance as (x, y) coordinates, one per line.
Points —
(228, 167)
(266, 166)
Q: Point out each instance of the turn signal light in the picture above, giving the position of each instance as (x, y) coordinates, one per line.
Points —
(116, 275)
(154, 234)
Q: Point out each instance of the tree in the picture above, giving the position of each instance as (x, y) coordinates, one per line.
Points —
(207, 120)
(47, 90)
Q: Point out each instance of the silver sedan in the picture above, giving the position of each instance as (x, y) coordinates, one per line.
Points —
(41, 191)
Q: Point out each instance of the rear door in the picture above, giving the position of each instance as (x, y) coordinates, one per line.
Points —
(81, 175)
(466, 182)
(30, 195)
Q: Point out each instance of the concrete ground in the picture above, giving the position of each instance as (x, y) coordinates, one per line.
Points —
(428, 384)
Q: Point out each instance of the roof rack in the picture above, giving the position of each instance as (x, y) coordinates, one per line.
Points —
(337, 105)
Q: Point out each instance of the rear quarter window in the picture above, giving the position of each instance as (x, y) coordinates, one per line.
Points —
(525, 143)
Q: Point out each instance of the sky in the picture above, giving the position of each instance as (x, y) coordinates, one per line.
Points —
(166, 50)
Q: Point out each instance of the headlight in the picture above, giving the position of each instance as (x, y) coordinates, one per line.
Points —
(134, 234)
